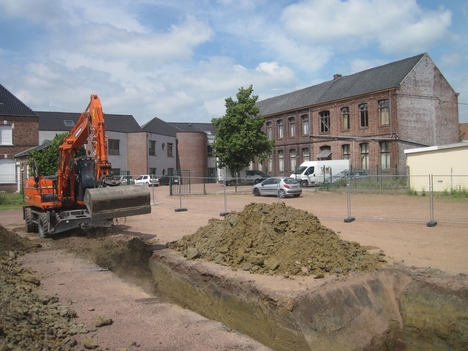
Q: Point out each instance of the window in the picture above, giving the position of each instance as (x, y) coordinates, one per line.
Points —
(364, 115)
(114, 146)
(269, 131)
(292, 159)
(364, 156)
(270, 163)
(210, 151)
(383, 113)
(69, 123)
(280, 129)
(152, 148)
(346, 152)
(305, 125)
(152, 170)
(345, 118)
(385, 155)
(7, 171)
(305, 155)
(292, 127)
(325, 122)
(169, 150)
(6, 135)
(280, 160)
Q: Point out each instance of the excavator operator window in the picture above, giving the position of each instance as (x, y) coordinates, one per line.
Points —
(88, 174)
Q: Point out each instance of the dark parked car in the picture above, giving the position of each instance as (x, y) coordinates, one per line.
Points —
(166, 180)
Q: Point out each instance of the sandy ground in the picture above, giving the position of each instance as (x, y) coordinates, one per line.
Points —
(144, 322)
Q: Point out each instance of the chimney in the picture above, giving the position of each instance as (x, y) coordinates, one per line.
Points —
(337, 76)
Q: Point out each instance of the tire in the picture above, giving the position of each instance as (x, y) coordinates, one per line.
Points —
(257, 181)
(43, 225)
(31, 227)
(282, 193)
(304, 183)
(256, 192)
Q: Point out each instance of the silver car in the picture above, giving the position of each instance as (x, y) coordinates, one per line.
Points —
(278, 186)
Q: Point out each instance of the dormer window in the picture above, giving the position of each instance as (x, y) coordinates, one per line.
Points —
(69, 123)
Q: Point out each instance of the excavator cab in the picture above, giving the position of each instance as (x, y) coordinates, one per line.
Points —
(86, 174)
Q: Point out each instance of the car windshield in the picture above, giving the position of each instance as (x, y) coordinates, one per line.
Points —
(300, 170)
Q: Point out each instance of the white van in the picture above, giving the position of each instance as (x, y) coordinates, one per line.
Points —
(245, 176)
(316, 172)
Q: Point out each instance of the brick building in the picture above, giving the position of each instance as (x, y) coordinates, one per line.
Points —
(369, 117)
(18, 132)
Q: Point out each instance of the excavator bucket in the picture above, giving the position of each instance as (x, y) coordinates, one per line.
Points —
(117, 201)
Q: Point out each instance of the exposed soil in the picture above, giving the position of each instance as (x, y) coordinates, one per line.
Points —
(77, 291)
(276, 239)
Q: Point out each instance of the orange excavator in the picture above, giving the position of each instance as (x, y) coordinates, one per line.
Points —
(82, 193)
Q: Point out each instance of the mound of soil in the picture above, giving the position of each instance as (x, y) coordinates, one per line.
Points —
(28, 321)
(276, 239)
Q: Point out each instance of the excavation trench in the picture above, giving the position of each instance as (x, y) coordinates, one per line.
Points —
(277, 275)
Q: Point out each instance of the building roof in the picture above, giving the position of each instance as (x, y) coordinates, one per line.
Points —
(158, 126)
(437, 148)
(10, 105)
(57, 121)
(375, 79)
(207, 128)
(25, 153)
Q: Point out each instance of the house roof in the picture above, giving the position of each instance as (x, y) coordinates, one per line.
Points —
(158, 126)
(10, 105)
(25, 153)
(207, 128)
(375, 79)
(55, 121)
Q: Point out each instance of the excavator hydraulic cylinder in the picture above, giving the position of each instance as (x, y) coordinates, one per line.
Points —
(117, 201)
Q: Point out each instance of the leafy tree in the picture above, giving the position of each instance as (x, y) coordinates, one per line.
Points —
(47, 159)
(239, 138)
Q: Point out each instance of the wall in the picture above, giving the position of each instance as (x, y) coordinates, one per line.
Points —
(137, 153)
(161, 161)
(25, 136)
(192, 148)
(446, 163)
(427, 108)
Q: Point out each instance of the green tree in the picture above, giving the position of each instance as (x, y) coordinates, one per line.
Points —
(47, 159)
(239, 138)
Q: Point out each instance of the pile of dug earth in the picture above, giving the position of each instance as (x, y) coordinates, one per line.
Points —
(27, 321)
(276, 239)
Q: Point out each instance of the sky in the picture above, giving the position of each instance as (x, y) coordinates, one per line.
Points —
(179, 60)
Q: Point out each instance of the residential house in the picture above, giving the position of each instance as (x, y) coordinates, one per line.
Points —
(18, 132)
(369, 117)
(124, 138)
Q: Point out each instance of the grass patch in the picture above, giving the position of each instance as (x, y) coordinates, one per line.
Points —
(11, 201)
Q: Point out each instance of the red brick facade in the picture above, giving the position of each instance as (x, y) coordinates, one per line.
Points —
(25, 136)
(423, 111)
(192, 152)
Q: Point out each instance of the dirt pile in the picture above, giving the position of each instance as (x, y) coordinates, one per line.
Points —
(27, 321)
(276, 239)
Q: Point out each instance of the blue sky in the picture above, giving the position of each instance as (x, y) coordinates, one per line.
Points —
(179, 60)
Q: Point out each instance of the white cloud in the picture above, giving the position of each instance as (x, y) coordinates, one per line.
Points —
(394, 25)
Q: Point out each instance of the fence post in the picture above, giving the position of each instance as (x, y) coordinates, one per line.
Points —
(349, 219)
(225, 213)
(180, 209)
(432, 222)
